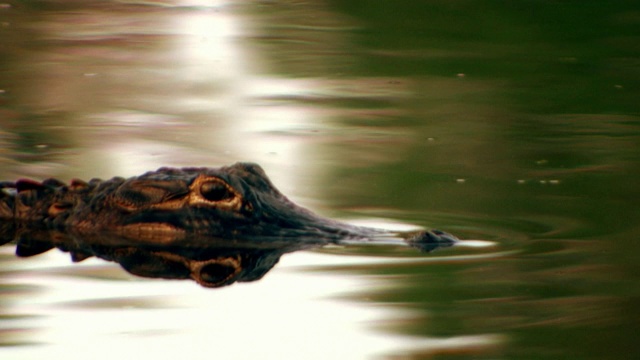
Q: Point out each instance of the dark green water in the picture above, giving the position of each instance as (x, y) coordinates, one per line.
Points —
(514, 122)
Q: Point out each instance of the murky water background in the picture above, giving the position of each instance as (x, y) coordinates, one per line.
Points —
(515, 122)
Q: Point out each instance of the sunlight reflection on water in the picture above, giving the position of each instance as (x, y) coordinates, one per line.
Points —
(167, 319)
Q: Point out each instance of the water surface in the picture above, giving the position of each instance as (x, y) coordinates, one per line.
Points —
(515, 123)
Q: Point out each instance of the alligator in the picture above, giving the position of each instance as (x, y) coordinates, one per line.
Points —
(234, 203)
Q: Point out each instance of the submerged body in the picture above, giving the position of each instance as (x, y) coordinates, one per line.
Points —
(236, 202)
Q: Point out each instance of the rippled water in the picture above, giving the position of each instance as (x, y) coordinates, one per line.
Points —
(512, 123)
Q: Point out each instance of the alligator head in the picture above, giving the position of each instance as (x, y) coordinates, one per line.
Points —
(234, 202)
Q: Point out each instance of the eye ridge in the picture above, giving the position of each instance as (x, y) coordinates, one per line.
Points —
(215, 191)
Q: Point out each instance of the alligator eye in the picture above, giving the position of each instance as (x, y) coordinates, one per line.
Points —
(215, 191)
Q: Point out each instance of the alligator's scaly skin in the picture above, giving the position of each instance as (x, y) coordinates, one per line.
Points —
(234, 202)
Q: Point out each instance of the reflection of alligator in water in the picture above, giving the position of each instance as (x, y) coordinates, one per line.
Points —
(209, 261)
(168, 209)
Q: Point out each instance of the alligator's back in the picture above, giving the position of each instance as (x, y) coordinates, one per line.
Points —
(50, 203)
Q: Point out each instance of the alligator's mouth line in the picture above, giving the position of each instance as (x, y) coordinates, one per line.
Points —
(150, 227)
(159, 233)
